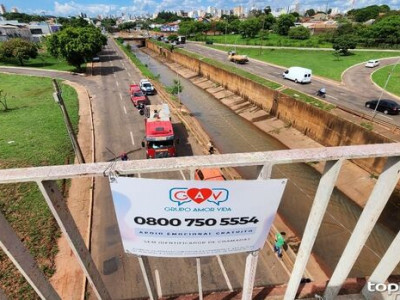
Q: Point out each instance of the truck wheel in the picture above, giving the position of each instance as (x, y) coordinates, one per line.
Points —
(295, 81)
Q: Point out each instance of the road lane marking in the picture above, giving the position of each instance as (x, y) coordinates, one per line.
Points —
(158, 283)
(117, 83)
(120, 96)
(183, 175)
(115, 76)
(333, 97)
(124, 109)
(221, 265)
(133, 141)
(129, 74)
(383, 116)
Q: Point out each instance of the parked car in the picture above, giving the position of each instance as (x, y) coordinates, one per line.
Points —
(298, 74)
(386, 106)
(147, 87)
(209, 174)
(372, 63)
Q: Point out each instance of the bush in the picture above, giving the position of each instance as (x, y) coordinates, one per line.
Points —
(299, 33)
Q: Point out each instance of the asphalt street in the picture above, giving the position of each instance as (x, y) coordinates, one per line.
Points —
(352, 93)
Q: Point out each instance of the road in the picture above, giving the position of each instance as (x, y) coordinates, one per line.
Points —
(356, 89)
(120, 128)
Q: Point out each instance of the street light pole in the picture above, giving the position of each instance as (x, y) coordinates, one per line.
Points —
(178, 84)
(384, 88)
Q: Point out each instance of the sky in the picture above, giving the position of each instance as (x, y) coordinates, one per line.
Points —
(94, 8)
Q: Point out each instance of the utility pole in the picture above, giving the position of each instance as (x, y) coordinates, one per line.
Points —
(384, 89)
(58, 98)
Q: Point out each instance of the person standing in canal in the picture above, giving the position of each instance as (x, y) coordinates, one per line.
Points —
(279, 242)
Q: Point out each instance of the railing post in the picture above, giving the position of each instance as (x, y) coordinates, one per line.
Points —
(147, 276)
(252, 258)
(250, 275)
(369, 216)
(385, 267)
(199, 282)
(24, 261)
(61, 213)
(321, 200)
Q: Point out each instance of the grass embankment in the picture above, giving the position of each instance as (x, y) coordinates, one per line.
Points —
(308, 99)
(32, 134)
(272, 39)
(230, 68)
(381, 76)
(142, 67)
(227, 67)
(43, 61)
(321, 62)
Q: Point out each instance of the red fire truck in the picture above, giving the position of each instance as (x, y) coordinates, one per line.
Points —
(159, 140)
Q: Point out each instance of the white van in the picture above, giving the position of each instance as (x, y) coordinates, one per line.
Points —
(298, 74)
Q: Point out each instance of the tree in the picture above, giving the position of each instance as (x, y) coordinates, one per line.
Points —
(267, 10)
(166, 17)
(19, 49)
(296, 15)
(74, 22)
(222, 26)
(343, 43)
(234, 26)
(366, 13)
(76, 44)
(255, 13)
(23, 18)
(267, 21)
(250, 27)
(172, 38)
(299, 33)
(229, 18)
(108, 24)
(310, 12)
(3, 100)
(384, 31)
(283, 23)
(127, 26)
(186, 28)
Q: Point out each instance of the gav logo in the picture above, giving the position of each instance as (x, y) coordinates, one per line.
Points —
(198, 195)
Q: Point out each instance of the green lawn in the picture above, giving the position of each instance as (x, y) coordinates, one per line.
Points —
(381, 76)
(43, 61)
(322, 63)
(32, 134)
(273, 39)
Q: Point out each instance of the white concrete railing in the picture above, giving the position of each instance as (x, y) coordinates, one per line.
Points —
(334, 156)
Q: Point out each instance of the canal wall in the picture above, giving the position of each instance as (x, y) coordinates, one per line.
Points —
(322, 126)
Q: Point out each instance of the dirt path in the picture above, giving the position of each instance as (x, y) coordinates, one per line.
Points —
(69, 280)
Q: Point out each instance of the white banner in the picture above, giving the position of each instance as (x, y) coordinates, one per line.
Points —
(176, 218)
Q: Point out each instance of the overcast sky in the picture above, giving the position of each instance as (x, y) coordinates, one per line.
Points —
(138, 7)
